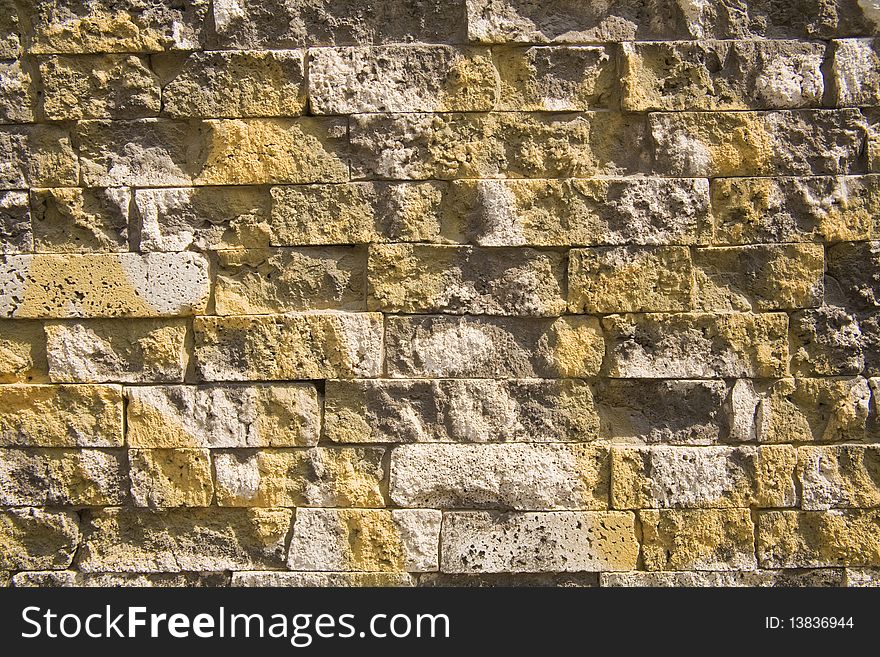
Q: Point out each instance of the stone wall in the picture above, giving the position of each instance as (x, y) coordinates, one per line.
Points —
(311, 292)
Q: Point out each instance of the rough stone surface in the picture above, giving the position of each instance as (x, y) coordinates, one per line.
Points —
(76, 220)
(17, 92)
(170, 477)
(16, 234)
(37, 156)
(22, 352)
(855, 72)
(839, 476)
(826, 341)
(314, 579)
(70, 578)
(824, 577)
(37, 539)
(808, 539)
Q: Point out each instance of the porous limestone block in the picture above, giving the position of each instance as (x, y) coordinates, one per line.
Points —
(826, 341)
(727, 579)
(315, 579)
(415, 278)
(37, 539)
(124, 351)
(170, 477)
(367, 540)
(629, 279)
(18, 97)
(477, 580)
(660, 477)
(315, 345)
(818, 539)
(70, 578)
(322, 477)
(524, 477)
(862, 577)
(496, 145)
(839, 476)
(402, 78)
(855, 72)
(854, 273)
(437, 346)
(816, 209)
(266, 281)
(174, 540)
(238, 84)
(98, 87)
(721, 75)
(22, 352)
(698, 539)
(467, 411)
(759, 278)
(103, 285)
(10, 30)
(562, 541)
(180, 416)
(662, 411)
(785, 142)
(37, 156)
(77, 220)
(16, 232)
(696, 345)
(61, 416)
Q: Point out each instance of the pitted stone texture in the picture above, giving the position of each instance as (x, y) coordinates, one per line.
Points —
(76, 220)
(281, 347)
(809, 539)
(759, 278)
(556, 78)
(238, 84)
(794, 142)
(418, 78)
(703, 477)
(629, 279)
(16, 234)
(573, 212)
(721, 75)
(18, 96)
(36, 539)
(477, 580)
(77, 26)
(520, 477)
(855, 72)
(103, 285)
(98, 87)
(170, 477)
(862, 577)
(36, 156)
(174, 540)
(176, 219)
(62, 477)
(854, 270)
(10, 30)
(116, 350)
(698, 539)
(278, 415)
(502, 145)
(667, 412)
(315, 579)
(297, 23)
(322, 477)
(839, 476)
(437, 346)
(563, 541)
(22, 352)
(260, 151)
(696, 345)
(262, 281)
(368, 540)
(727, 579)
(412, 278)
(822, 209)
(826, 341)
(356, 213)
(70, 578)
(471, 410)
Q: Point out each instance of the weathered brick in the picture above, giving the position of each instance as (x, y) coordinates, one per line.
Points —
(702, 477)
(124, 351)
(855, 72)
(98, 87)
(862, 577)
(727, 579)
(278, 347)
(826, 341)
(257, 281)
(103, 285)
(696, 345)
(36, 539)
(759, 278)
(441, 346)
(795, 142)
(854, 270)
(18, 97)
(497, 145)
(10, 30)
(61, 416)
(629, 279)
(277, 415)
(16, 233)
(369, 540)
(315, 579)
(70, 578)
(170, 477)
(839, 476)
(36, 156)
(22, 352)
(174, 540)
(698, 539)
(77, 220)
(522, 477)
(565, 541)
(414, 278)
(412, 78)
(296, 477)
(237, 84)
(808, 539)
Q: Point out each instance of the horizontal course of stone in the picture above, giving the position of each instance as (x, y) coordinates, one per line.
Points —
(439, 293)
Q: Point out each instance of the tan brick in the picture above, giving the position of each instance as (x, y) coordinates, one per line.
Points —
(76, 220)
(37, 156)
(18, 98)
(35, 539)
(22, 352)
(839, 476)
(62, 477)
(170, 477)
(808, 539)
